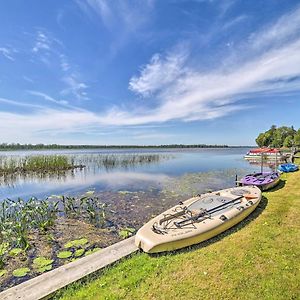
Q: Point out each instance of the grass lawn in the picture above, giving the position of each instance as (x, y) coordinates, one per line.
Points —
(257, 259)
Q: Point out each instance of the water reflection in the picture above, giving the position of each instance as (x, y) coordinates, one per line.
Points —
(131, 170)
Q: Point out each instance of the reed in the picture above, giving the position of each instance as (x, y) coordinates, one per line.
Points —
(36, 163)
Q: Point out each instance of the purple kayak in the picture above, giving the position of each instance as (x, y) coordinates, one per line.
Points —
(264, 181)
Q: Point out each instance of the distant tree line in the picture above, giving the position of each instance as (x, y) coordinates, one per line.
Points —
(17, 146)
(283, 136)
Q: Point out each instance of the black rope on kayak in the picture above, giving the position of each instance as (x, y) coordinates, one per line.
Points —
(205, 213)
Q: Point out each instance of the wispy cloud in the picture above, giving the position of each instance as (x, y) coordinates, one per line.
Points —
(114, 13)
(158, 73)
(42, 42)
(75, 87)
(50, 51)
(8, 53)
(190, 94)
(270, 64)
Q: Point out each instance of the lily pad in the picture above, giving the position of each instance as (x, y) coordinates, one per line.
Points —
(90, 192)
(91, 251)
(76, 243)
(126, 232)
(41, 262)
(21, 272)
(79, 252)
(3, 248)
(64, 254)
(15, 251)
(2, 272)
(45, 268)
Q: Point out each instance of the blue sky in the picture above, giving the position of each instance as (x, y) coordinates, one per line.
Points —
(147, 71)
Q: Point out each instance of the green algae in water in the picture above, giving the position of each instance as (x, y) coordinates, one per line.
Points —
(76, 243)
(2, 272)
(15, 252)
(126, 232)
(91, 251)
(79, 252)
(21, 272)
(64, 254)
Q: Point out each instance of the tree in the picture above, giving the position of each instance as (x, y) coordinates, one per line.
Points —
(278, 137)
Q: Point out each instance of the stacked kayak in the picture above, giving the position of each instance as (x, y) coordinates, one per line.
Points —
(264, 181)
(289, 167)
(197, 219)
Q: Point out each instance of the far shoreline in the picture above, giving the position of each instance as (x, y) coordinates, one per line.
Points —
(28, 147)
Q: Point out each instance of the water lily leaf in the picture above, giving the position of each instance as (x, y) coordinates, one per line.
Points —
(76, 243)
(45, 268)
(126, 232)
(15, 251)
(21, 272)
(91, 251)
(41, 262)
(2, 272)
(79, 252)
(89, 192)
(64, 254)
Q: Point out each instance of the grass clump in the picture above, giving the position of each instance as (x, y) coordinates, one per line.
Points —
(36, 163)
(257, 259)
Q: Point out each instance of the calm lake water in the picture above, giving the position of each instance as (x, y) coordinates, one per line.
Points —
(182, 170)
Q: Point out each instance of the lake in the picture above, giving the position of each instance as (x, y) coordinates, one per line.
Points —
(185, 170)
(107, 200)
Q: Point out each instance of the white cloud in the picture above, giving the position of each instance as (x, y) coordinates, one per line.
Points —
(42, 42)
(158, 73)
(120, 14)
(75, 87)
(7, 53)
(182, 90)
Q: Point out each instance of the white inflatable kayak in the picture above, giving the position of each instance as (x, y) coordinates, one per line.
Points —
(197, 219)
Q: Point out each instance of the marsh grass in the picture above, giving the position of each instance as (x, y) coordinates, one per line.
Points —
(36, 163)
(257, 259)
(121, 160)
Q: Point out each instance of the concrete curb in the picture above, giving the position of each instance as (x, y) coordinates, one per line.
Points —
(47, 283)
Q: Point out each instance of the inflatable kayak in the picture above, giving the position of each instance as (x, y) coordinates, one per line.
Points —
(264, 181)
(289, 167)
(197, 219)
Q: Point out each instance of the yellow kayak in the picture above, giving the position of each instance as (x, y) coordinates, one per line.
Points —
(197, 219)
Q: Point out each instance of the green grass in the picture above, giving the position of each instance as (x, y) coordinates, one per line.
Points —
(257, 259)
(35, 163)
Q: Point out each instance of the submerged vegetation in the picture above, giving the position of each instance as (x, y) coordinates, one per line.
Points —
(23, 223)
(256, 259)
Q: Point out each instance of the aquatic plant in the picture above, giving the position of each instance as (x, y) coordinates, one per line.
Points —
(36, 163)
(126, 232)
(2, 272)
(42, 264)
(79, 252)
(76, 243)
(64, 254)
(91, 251)
(3, 250)
(21, 272)
(15, 252)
